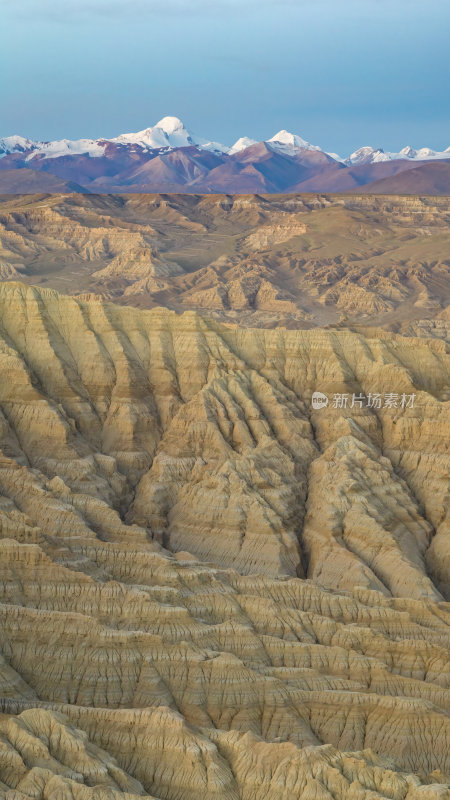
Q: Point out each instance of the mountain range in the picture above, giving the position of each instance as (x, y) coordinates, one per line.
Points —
(168, 157)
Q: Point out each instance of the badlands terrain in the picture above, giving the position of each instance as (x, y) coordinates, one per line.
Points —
(209, 589)
(300, 261)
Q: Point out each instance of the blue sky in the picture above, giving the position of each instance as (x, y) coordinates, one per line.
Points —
(340, 73)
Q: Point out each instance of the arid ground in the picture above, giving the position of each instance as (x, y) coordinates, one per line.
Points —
(212, 586)
(299, 261)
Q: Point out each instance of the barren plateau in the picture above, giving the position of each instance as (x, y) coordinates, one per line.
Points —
(300, 261)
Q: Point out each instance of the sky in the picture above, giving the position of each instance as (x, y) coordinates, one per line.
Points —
(340, 73)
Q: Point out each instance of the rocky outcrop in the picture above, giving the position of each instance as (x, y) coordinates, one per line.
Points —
(43, 756)
(139, 269)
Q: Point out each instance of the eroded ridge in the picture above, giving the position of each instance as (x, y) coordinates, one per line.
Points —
(260, 260)
(208, 589)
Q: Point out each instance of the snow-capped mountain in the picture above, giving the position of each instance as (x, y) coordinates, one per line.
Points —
(241, 144)
(67, 147)
(289, 143)
(371, 155)
(62, 147)
(15, 144)
(169, 132)
(282, 142)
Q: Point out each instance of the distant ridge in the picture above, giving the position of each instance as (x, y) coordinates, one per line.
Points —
(428, 178)
(30, 181)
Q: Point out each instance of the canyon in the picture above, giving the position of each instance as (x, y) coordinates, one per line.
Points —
(209, 588)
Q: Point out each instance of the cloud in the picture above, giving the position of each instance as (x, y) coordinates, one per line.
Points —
(131, 11)
(128, 8)
(70, 11)
(131, 8)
